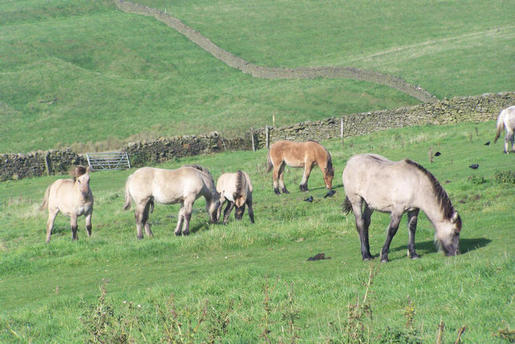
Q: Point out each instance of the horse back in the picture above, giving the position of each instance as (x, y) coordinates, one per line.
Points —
(297, 154)
(382, 183)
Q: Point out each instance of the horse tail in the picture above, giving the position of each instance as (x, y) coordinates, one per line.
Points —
(127, 204)
(347, 206)
(151, 205)
(500, 126)
(45, 199)
(269, 166)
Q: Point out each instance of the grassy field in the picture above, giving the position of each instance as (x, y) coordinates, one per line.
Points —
(448, 48)
(83, 72)
(252, 283)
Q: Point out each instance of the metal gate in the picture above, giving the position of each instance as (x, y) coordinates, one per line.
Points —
(108, 160)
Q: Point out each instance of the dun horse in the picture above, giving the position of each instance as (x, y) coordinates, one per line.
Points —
(72, 197)
(373, 182)
(183, 185)
(506, 119)
(299, 154)
(236, 189)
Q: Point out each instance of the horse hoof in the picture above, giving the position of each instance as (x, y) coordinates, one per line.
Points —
(186, 233)
(177, 233)
(277, 191)
(415, 256)
(367, 258)
(384, 260)
(286, 191)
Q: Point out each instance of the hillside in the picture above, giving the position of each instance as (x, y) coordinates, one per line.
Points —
(79, 71)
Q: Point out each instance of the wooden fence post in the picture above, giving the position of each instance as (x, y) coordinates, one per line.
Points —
(252, 139)
(341, 129)
(267, 136)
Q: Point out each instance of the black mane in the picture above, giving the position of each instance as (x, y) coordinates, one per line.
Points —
(440, 193)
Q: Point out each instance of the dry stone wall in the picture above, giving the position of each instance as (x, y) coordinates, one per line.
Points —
(460, 109)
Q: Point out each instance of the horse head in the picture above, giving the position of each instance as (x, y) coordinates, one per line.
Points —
(214, 207)
(448, 234)
(329, 174)
(81, 178)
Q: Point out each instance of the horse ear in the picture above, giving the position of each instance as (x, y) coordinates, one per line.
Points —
(454, 217)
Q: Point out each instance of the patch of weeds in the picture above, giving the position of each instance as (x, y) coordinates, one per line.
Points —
(477, 180)
(505, 177)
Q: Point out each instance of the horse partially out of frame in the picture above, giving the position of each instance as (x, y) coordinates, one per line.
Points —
(236, 190)
(183, 185)
(506, 120)
(373, 182)
(299, 154)
(71, 197)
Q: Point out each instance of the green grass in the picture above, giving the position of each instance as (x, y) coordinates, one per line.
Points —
(450, 48)
(80, 72)
(83, 72)
(47, 289)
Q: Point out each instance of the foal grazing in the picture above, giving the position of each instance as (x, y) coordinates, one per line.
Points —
(397, 187)
(236, 189)
(183, 185)
(72, 197)
(299, 154)
(506, 119)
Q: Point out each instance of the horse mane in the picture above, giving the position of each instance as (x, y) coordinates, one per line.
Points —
(239, 184)
(77, 171)
(440, 193)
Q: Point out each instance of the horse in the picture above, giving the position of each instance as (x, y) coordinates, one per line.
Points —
(183, 185)
(72, 197)
(299, 154)
(373, 182)
(506, 119)
(236, 189)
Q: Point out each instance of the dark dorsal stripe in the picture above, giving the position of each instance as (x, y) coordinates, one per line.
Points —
(239, 184)
(440, 193)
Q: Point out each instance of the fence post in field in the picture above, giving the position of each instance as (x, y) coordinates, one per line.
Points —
(267, 136)
(48, 167)
(252, 139)
(341, 129)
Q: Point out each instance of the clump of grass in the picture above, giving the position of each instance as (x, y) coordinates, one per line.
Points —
(477, 180)
(505, 177)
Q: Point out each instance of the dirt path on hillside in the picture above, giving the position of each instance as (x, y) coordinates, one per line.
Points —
(271, 72)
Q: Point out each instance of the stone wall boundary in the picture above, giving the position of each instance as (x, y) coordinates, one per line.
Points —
(481, 108)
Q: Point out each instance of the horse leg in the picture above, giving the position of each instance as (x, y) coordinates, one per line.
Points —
(146, 213)
(251, 211)
(50, 223)
(367, 215)
(73, 224)
(188, 209)
(412, 227)
(180, 220)
(305, 177)
(227, 211)
(395, 218)
(281, 178)
(88, 223)
(510, 139)
(277, 168)
(139, 214)
(360, 227)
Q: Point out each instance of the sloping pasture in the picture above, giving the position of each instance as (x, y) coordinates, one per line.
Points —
(256, 278)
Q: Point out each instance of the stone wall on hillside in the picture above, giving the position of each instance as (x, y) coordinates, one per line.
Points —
(460, 109)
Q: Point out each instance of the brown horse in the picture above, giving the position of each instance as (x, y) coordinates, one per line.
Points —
(72, 197)
(236, 189)
(373, 182)
(183, 185)
(299, 154)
